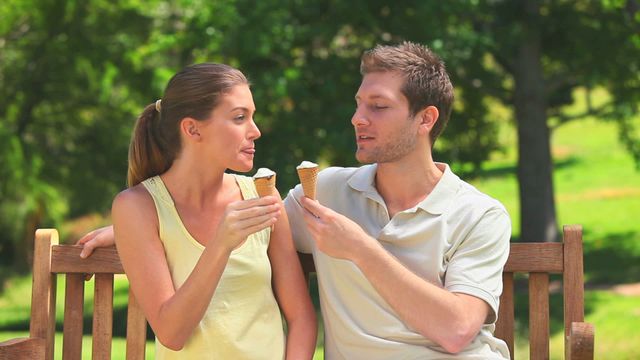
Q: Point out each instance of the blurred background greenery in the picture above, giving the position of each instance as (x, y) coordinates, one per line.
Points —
(545, 117)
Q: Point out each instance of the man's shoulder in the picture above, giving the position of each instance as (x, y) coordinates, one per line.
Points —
(337, 174)
(469, 196)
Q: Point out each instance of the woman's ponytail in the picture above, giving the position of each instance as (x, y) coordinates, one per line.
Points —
(146, 158)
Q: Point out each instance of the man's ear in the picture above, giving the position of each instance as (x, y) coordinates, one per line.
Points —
(189, 127)
(427, 117)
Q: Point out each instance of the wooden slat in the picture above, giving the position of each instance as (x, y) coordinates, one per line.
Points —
(22, 349)
(505, 324)
(539, 316)
(43, 294)
(580, 342)
(102, 317)
(535, 257)
(136, 330)
(573, 279)
(66, 259)
(73, 311)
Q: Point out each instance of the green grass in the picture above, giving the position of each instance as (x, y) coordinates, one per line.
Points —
(596, 185)
(15, 314)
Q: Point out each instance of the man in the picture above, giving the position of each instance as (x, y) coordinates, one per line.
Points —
(409, 257)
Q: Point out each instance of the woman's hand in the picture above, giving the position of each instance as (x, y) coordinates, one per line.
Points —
(102, 237)
(243, 218)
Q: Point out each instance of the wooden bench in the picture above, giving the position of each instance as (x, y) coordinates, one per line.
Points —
(538, 260)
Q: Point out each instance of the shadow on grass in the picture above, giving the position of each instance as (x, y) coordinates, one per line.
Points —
(612, 259)
(501, 171)
(556, 307)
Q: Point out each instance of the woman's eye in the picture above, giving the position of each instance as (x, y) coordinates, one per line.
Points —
(240, 118)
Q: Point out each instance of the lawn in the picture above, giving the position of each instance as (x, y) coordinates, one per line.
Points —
(596, 185)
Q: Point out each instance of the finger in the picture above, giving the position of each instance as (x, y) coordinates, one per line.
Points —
(314, 207)
(257, 211)
(87, 249)
(248, 223)
(263, 201)
(260, 226)
(86, 237)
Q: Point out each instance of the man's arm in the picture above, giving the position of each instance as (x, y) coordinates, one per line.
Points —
(450, 319)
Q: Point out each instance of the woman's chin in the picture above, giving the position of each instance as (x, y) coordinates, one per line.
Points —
(242, 167)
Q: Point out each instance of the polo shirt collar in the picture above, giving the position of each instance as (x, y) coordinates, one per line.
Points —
(436, 202)
(363, 180)
(442, 195)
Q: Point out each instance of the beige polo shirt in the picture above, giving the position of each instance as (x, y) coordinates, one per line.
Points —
(457, 238)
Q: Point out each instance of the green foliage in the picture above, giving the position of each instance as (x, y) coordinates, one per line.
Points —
(75, 74)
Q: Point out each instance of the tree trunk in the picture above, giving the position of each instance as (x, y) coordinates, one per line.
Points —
(535, 168)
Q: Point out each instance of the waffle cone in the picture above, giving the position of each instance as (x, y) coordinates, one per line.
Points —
(265, 186)
(308, 178)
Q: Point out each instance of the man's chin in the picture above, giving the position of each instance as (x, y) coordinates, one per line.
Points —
(363, 159)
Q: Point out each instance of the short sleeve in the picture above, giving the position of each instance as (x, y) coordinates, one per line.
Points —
(475, 267)
(301, 236)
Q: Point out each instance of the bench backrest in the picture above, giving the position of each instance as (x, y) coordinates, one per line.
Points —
(538, 260)
(51, 259)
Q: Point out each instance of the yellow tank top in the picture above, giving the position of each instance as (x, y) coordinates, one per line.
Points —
(243, 320)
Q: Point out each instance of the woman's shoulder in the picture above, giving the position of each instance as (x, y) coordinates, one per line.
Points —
(133, 198)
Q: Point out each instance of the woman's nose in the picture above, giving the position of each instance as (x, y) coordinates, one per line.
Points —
(254, 132)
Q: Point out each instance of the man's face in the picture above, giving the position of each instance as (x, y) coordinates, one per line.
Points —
(384, 130)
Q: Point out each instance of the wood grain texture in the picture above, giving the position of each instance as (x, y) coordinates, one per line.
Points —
(535, 257)
(539, 316)
(22, 349)
(73, 311)
(136, 330)
(66, 259)
(573, 278)
(505, 323)
(43, 294)
(102, 317)
(580, 341)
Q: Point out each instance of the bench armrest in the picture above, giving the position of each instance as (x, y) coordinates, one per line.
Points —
(22, 348)
(579, 343)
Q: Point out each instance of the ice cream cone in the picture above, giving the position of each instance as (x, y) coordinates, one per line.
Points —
(265, 181)
(265, 186)
(308, 177)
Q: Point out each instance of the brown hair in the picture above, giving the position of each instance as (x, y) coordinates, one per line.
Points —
(193, 92)
(426, 81)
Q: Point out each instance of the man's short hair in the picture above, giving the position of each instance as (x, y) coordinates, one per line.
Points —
(426, 81)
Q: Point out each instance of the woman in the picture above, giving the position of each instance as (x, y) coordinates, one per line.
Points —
(195, 242)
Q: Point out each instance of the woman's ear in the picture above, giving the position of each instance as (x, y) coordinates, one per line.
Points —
(427, 117)
(189, 127)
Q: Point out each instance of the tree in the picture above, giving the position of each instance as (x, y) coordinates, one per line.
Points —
(65, 101)
(75, 74)
(548, 49)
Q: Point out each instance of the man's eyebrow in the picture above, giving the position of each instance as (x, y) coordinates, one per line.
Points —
(374, 97)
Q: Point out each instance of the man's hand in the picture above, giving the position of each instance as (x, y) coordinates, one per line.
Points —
(335, 234)
(101, 237)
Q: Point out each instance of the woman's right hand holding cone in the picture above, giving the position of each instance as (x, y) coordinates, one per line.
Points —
(245, 217)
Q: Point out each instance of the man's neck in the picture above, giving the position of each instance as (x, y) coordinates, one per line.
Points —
(404, 184)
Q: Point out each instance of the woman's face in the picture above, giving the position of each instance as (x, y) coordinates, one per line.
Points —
(229, 133)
